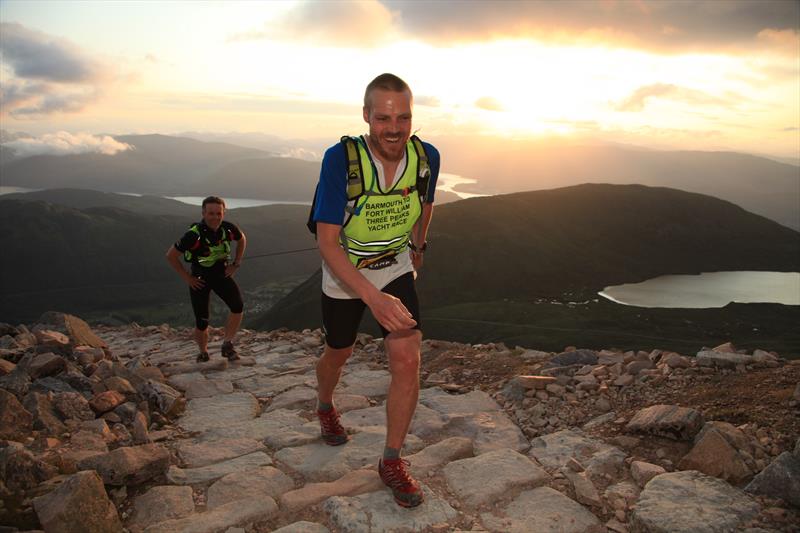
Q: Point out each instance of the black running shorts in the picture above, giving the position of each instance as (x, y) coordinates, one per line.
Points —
(225, 288)
(341, 317)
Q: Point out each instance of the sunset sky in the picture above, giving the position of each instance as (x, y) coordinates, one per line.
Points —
(704, 75)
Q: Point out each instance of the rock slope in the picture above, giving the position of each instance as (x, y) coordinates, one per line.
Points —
(118, 429)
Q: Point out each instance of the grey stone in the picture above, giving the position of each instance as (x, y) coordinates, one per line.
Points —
(485, 478)
(671, 421)
(268, 386)
(721, 359)
(295, 398)
(543, 510)
(576, 357)
(163, 398)
(51, 384)
(436, 455)
(319, 462)
(203, 414)
(373, 383)
(585, 491)
(162, 503)
(238, 513)
(684, 502)
(377, 511)
(80, 503)
(781, 479)
(554, 451)
(264, 481)
(196, 454)
(204, 474)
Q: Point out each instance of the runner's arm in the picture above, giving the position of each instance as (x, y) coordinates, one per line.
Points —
(174, 260)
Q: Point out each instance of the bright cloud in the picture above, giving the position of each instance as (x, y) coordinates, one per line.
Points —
(64, 143)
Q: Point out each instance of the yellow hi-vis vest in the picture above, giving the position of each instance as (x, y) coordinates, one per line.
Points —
(379, 222)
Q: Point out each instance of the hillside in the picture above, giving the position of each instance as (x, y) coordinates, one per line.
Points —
(107, 258)
(497, 266)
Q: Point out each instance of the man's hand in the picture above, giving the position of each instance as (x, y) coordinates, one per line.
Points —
(231, 269)
(196, 283)
(390, 312)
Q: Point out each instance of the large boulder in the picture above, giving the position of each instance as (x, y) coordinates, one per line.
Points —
(688, 502)
(781, 479)
(44, 415)
(718, 452)
(80, 503)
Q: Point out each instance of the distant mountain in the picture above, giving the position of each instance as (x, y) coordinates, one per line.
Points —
(85, 260)
(758, 184)
(84, 199)
(157, 164)
(569, 243)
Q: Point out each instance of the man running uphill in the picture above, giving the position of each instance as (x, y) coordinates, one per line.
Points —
(371, 235)
(207, 245)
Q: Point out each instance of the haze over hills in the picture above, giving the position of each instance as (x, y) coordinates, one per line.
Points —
(758, 184)
(495, 261)
(176, 166)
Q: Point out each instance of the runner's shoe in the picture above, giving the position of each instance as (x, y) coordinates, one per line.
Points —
(405, 489)
(202, 357)
(331, 428)
(229, 352)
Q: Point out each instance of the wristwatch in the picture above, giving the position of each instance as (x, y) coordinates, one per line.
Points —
(419, 250)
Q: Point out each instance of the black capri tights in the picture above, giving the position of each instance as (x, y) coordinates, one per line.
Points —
(225, 288)
(341, 318)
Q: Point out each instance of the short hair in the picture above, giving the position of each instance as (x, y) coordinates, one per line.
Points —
(387, 82)
(213, 200)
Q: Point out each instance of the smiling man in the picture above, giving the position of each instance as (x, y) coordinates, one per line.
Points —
(373, 206)
(207, 246)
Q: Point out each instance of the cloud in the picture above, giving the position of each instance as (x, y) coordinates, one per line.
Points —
(35, 55)
(638, 100)
(488, 103)
(427, 100)
(45, 74)
(657, 25)
(362, 23)
(64, 143)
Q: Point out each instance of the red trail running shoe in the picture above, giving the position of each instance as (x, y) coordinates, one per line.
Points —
(332, 431)
(405, 489)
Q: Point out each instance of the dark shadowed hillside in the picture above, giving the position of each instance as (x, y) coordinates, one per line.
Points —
(110, 258)
(496, 259)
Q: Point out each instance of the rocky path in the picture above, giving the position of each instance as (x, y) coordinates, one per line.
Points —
(219, 447)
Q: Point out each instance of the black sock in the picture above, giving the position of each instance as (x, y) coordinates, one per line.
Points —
(324, 407)
(391, 453)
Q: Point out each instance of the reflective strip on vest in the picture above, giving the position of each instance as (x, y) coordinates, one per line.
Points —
(381, 223)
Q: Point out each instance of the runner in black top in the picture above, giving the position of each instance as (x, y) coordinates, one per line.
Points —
(207, 245)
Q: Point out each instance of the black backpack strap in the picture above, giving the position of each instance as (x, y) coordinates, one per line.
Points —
(423, 168)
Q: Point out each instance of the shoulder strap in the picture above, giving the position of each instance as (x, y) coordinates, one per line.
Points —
(423, 168)
(355, 174)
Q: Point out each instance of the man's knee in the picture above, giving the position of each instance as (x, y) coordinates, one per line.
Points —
(337, 356)
(404, 350)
